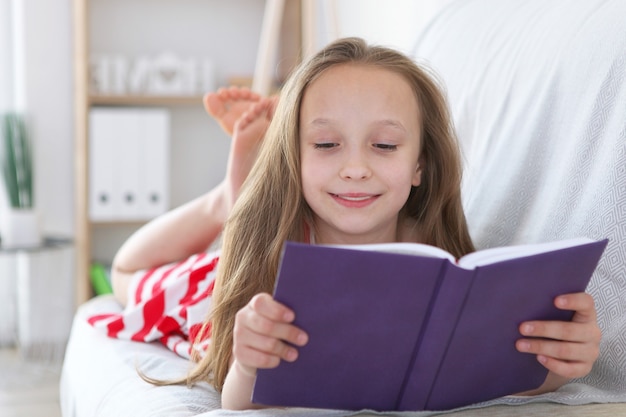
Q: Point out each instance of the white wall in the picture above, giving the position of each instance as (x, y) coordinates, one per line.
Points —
(393, 23)
(6, 72)
(6, 56)
(42, 67)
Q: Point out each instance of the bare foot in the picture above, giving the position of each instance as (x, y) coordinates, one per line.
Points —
(226, 105)
(249, 131)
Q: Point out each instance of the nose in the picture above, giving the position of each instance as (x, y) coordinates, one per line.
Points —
(355, 166)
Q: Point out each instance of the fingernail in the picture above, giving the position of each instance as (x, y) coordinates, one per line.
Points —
(523, 345)
(528, 329)
(289, 316)
(292, 355)
(302, 339)
(542, 359)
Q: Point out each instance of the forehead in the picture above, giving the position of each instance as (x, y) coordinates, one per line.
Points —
(351, 75)
(368, 89)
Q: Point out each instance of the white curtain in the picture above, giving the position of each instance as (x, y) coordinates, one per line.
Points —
(8, 329)
(393, 23)
(6, 55)
(6, 69)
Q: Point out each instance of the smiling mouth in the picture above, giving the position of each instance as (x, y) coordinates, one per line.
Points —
(355, 199)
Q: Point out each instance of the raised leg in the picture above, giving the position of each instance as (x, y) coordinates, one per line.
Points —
(226, 105)
(248, 134)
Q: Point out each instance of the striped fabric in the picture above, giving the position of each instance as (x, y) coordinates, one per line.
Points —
(167, 304)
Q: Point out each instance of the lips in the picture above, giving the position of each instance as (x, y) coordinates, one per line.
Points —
(355, 200)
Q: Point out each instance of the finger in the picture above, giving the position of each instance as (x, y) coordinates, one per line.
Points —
(261, 325)
(258, 351)
(254, 359)
(570, 360)
(563, 331)
(266, 306)
(265, 316)
(564, 351)
(246, 336)
(582, 303)
(567, 369)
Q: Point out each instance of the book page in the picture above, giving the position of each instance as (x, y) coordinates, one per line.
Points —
(494, 255)
(404, 248)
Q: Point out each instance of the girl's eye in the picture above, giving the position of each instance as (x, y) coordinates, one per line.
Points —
(324, 145)
(386, 146)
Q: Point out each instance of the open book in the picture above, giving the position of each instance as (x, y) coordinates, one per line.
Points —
(417, 330)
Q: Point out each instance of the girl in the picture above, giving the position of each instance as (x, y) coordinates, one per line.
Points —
(360, 150)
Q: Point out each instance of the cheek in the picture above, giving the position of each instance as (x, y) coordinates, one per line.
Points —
(310, 178)
(404, 178)
(310, 192)
(312, 168)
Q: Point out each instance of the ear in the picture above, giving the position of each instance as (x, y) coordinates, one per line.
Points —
(417, 176)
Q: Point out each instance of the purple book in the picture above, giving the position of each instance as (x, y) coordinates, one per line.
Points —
(399, 331)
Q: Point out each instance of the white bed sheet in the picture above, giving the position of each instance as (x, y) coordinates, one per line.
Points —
(100, 379)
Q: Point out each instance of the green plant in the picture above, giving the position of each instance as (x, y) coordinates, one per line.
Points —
(17, 168)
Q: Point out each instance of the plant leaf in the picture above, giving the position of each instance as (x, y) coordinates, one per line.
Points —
(17, 161)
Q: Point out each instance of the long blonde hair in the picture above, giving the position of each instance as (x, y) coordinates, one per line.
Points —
(271, 208)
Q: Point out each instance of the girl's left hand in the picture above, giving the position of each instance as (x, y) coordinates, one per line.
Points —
(567, 349)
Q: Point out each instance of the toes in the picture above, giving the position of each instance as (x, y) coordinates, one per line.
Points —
(257, 110)
(228, 104)
(213, 104)
(238, 93)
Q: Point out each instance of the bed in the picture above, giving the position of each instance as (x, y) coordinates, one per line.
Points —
(538, 94)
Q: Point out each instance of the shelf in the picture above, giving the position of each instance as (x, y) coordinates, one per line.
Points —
(147, 100)
(108, 223)
(166, 31)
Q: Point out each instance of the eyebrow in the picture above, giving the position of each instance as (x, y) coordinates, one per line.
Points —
(391, 123)
(320, 122)
(323, 122)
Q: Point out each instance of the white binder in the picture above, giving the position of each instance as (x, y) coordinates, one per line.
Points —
(129, 163)
(126, 163)
(102, 133)
(154, 176)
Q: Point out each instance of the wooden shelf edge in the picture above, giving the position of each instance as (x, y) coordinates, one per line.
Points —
(82, 239)
(145, 100)
(110, 223)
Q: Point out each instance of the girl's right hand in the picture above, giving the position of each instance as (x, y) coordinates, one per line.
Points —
(261, 331)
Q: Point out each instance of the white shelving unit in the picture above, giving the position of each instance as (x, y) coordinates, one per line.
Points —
(227, 33)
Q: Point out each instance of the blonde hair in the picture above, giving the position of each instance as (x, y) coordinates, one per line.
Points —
(271, 208)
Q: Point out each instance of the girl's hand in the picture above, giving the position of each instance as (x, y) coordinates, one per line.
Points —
(572, 347)
(261, 331)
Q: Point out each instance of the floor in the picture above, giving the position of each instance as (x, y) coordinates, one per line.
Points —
(28, 388)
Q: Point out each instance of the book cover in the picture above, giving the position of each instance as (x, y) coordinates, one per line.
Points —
(392, 331)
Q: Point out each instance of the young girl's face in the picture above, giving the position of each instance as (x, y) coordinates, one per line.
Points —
(360, 149)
